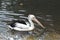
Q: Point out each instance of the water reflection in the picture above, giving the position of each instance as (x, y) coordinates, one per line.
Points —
(6, 33)
(16, 12)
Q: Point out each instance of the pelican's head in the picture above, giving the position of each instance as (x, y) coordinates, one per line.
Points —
(32, 17)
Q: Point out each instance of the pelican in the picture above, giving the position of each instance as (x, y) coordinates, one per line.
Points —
(25, 25)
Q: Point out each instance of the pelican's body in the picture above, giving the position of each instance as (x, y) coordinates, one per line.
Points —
(22, 25)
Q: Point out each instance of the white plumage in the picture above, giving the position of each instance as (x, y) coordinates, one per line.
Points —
(26, 26)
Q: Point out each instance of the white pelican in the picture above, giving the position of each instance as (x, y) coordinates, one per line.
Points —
(25, 25)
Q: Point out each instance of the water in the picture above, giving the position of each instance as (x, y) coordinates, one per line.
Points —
(6, 33)
(8, 12)
(5, 17)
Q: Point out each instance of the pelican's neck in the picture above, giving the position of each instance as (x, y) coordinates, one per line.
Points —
(31, 23)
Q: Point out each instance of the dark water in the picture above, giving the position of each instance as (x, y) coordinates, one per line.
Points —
(10, 10)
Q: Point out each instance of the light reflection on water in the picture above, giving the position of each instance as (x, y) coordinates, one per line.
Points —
(45, 18)
(5, 32)
(6, 16)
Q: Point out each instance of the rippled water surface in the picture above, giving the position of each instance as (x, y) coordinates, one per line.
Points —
(5, 17)
(10, 10)
(6, 33)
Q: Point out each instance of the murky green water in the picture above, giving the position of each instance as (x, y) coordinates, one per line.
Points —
(10, 10)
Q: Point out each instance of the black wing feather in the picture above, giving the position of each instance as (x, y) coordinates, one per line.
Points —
(12, 24)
